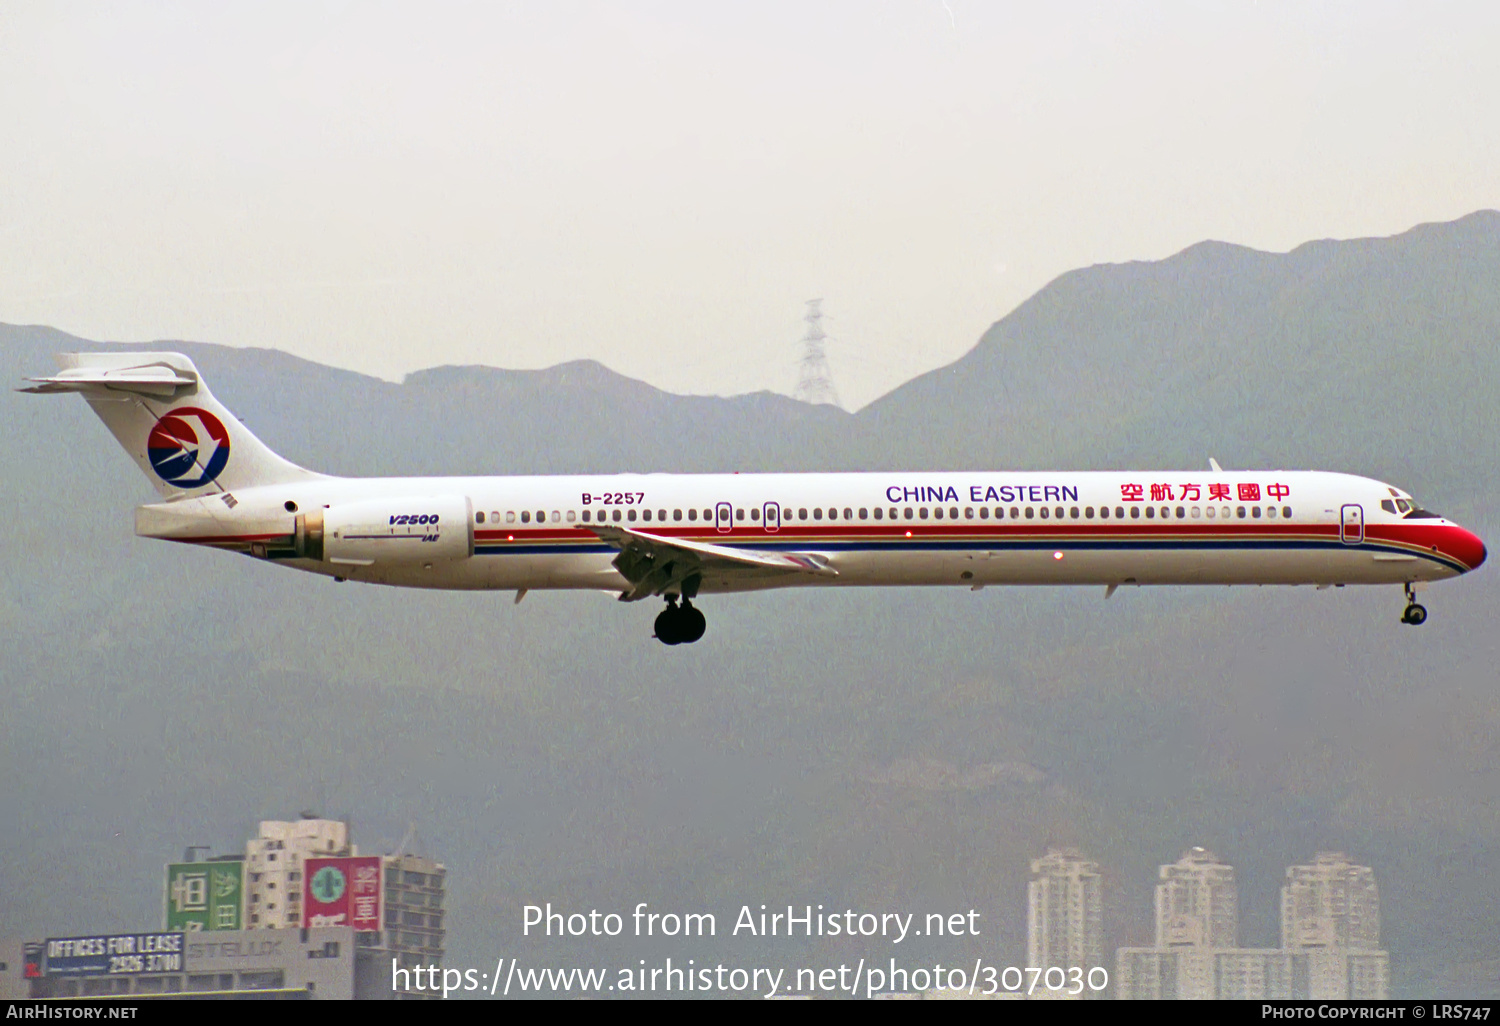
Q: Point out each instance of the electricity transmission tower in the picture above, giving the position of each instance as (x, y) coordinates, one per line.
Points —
(815, 382)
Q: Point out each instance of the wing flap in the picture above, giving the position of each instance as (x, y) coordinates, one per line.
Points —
(653, 564)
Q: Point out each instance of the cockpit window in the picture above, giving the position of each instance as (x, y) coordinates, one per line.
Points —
(1388, 505)
(1404, 505)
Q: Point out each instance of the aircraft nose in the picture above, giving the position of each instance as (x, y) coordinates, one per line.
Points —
(1469, 548)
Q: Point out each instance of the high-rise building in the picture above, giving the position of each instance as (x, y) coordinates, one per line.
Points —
(1330, 929)
(273, 867)
(1065, 911)
(1330, 903)
(1331, 911)
(1197, 905)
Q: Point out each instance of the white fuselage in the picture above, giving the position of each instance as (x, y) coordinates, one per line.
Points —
(960, 528)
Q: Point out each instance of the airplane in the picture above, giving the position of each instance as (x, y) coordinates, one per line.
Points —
(677, 537)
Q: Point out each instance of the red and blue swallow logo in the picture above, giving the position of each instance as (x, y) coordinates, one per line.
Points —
(188, 447)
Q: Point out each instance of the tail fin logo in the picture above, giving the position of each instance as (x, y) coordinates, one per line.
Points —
(188, 447)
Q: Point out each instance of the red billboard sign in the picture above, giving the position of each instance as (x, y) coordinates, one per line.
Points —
(342, 892)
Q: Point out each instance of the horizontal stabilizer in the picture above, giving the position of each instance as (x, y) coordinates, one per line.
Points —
(150, 380)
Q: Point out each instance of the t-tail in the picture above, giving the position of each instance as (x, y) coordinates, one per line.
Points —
(162, 412)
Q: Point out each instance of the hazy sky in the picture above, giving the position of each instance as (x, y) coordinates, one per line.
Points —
(659, 186)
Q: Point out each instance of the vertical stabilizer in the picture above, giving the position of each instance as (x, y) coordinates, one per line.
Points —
(162, 412)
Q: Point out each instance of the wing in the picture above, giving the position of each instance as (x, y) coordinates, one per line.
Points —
(653, 564)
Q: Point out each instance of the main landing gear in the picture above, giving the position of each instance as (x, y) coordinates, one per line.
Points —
(680, 625)
(1415, 614)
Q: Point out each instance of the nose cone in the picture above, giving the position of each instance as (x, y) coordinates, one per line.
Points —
(1467, 547)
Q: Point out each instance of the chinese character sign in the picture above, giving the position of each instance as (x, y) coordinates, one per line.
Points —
(342, 892)
(205, 896)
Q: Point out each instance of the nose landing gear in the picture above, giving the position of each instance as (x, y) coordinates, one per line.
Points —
(680, 625)
(1415, 614)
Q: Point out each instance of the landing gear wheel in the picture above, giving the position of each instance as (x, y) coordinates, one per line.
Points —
(692, 623)
(669, 625)
(1415, 614)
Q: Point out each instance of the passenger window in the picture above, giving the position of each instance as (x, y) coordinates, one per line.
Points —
(952, 512)
(849, 513)
(1044, 512)
(910, 513)
(617, 516)
(1030, 513)
(646, 515)
(1209, 512)
(895, 513)
(478, 518)
(817, 513)
(864, 513)
(541, 516)
(1088, 512)
(968, 512)
(833, 513)
(1073, 512)
(1270, 512)
(1103, 512)
(878, 512)
(1119, 512)
(677, 514)
(1241, 512)
(525, 516)
(1135, 512)
(1150, 512)
(1286, 512)
(556, 517)
(1015, 512)
(692, 514)
(572, 516)
(585, 516)
(1181, 513)
(1197, 512)
(708, 514)
(630, 516)
(661, 515)
(1255, 512)
(802, 514)
(494, 516)
(1059, 512)
(755, 514)
(984, 512)
(739, 514)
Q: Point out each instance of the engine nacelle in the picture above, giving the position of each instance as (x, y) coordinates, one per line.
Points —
(392, 532)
